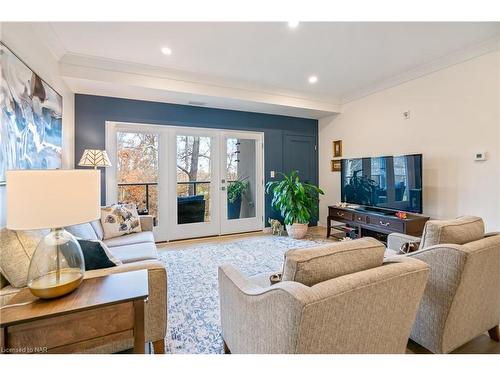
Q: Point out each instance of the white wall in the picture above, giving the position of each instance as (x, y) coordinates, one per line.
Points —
(23, 40)
(455, 112)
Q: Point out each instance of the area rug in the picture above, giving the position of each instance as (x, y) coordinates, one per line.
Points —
(193, 299)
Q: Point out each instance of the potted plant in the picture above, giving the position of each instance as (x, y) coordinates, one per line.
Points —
(297, 202)
(235, 191)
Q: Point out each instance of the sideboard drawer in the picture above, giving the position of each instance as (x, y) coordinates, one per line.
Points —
(387, 223)
(341, 214)
(360, 218)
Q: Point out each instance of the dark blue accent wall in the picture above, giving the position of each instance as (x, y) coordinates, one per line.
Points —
(91, 113)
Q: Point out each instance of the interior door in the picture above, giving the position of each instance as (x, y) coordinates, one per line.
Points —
(241, 183)
(300, 155)
(194, 176)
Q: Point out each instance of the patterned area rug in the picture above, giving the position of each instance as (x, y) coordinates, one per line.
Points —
(193, 299)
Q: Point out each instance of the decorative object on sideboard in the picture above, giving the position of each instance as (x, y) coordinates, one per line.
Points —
(94, 158)
(297, 202)
(53, 199)
(401, 214)
(336, 165)
(31, 118)
(276, 226)
(337, 149)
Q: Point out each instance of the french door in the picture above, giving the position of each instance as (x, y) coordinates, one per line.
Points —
(196, 182)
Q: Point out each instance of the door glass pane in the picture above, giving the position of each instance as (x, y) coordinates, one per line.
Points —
(138, 171)
(193, 179)
(241, 168)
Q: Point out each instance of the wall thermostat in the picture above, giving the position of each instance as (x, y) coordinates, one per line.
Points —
(480, 156)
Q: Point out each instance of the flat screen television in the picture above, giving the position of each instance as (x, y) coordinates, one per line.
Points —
(387, 182)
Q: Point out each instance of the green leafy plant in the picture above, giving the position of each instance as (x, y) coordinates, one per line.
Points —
(297, 201)
(236, 189)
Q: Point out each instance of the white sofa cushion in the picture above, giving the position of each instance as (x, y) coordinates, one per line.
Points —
(320, 263)
(135, 252)
(129, 239)
(83, 231)
(96, 224)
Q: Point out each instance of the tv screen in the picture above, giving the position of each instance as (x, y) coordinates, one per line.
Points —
(391, 182)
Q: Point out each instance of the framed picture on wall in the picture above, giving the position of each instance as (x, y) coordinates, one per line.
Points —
(31, 117)
(336, 165)
(337, 149)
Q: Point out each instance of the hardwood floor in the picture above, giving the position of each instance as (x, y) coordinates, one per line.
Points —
(480, 345)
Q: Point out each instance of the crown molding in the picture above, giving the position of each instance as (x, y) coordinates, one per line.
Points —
(457, 57)
(78, 68)
(50, 39)
(152, 71)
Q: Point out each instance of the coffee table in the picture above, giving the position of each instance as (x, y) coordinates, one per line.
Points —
(101, 311)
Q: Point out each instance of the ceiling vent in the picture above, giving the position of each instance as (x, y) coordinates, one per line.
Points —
(194, 102)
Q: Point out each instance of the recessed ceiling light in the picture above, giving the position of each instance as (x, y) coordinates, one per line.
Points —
(293, 24)
(312, 79)
(166, 51)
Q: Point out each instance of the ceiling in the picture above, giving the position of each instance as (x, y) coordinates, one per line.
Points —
(270, 58)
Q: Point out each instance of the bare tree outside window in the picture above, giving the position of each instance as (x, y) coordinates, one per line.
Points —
(138, 164)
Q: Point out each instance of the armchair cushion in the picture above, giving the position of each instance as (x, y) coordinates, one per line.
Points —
(457, 231)
(316, 264)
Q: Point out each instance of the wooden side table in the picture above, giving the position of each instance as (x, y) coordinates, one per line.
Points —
(101, 311)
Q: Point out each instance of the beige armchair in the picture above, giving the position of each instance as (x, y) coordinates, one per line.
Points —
(462, 298)
(336, 298)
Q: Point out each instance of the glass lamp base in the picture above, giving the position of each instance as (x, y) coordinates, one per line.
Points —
(57, 265)
(51, 286)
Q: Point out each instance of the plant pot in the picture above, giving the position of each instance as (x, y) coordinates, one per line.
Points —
(296, 230)
(234, 209)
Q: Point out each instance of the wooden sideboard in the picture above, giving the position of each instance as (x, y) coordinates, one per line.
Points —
(376, 223)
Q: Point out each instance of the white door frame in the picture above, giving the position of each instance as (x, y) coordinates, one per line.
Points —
(250, 223)
(202, 229)
(167, 228)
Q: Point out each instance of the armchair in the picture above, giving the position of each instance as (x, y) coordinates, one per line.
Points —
(462, 298)
(347, 313)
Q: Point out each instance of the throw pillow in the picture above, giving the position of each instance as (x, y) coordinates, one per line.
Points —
(120, 219)
(96, 255)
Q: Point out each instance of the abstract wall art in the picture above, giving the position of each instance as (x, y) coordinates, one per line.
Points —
(30, 118)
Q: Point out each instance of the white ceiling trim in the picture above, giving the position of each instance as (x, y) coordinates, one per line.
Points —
(458, 57)
(84, 68)
(50, 39)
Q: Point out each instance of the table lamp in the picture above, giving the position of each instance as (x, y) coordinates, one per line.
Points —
(53, 199)
(94, 158)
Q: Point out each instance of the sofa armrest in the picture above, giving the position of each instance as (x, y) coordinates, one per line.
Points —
(147, 222)
(156, 307)
(396, 240)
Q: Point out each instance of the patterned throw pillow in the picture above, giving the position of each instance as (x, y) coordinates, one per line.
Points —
(120, 219)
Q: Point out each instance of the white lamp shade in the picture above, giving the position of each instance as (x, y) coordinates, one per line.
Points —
(42, 199)
(94, 158)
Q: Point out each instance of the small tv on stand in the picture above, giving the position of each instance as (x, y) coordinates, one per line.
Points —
(383, 183)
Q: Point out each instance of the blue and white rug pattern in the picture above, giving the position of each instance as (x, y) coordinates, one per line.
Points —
(193, 299)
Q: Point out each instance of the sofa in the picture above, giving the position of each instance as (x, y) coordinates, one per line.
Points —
(334, 298)
(462, 298)
(135, 251)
